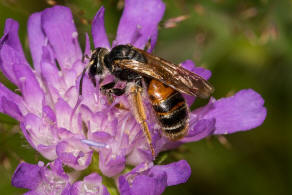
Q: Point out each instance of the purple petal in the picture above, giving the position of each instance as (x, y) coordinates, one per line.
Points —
(124, 186)
(71, 97)
(10, 57)
(87, 45)
(74, 153)
(149, 179)
(30, 88)
(36, 39)
(189, 99)
(91, 184)
(177, 172)
(139, 22)
(58, 25)
(138, 181)
(40, 135)
(49, 114)
(206, 74)
(11, 50)
(48, 151)
(42, 180)
(27, 176)
(63, 113)
(11, 29)
(90, 94)
(141, 153)
(241, 112)
(57, 167)
(189, 65)
(98, 30)
(51, 77)
(111, 164)
(101, 136)
(149, 185)
(15, 106)
(153, 40)
(3, 39)
(66, 190)
(5, 92)
(70, 75)
(200, 130)
(11, 109)
(55, 180)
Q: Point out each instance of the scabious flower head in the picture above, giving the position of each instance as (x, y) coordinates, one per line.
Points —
(67, 129)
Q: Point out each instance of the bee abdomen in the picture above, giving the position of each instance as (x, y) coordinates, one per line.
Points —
(170, 108)
(173, 117)
(174, 123)
(171, 101)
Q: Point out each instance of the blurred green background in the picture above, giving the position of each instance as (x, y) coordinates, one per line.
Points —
(246, 44)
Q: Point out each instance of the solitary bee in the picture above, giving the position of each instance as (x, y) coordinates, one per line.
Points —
(164, 80)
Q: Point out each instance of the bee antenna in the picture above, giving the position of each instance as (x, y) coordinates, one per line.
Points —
(148, 45)
(85, 57)
(81, 80)
(80, 95)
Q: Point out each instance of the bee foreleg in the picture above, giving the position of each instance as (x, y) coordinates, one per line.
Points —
(118, 91)
(108, 86)
(109, 90)
(135, 95)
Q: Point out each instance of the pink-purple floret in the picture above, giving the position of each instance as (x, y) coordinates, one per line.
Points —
(52, 116)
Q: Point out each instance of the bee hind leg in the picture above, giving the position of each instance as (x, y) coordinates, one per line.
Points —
(135, 95)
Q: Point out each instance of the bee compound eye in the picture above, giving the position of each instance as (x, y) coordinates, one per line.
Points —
(93, 69)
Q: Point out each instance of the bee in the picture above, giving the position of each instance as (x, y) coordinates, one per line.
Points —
(165, 82)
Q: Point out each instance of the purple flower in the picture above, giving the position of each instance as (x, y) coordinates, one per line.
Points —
(40, 179)
(90, 185)
(68, 129)
(52, 179)
(149, 179)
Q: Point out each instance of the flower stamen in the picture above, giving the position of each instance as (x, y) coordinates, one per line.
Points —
(94, 144)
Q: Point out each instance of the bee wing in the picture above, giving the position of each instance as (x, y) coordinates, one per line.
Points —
(170, 74)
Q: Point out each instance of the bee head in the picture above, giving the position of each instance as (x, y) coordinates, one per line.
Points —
(96, 63)
(96, 66)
